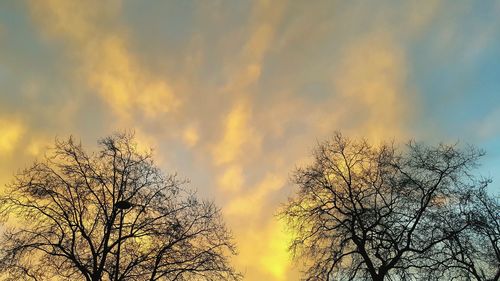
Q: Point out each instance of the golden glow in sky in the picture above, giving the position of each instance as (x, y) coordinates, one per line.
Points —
(234, 94)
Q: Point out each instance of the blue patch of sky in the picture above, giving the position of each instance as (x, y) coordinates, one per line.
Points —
(457, 90)
(490, 164)
(458, 79)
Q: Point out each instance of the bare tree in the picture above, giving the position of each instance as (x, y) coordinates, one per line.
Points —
(473, 254)
(376, 212)
(110, 215)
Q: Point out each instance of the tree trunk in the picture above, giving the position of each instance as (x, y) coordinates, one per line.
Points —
(378, 277)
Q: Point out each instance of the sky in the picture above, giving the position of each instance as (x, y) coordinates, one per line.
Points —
(234, 95)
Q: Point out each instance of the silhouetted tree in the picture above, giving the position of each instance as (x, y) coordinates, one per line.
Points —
(376, 212)
(474, 253)
(110, 215)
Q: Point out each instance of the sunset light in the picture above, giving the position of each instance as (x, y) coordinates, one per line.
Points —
(236, 98)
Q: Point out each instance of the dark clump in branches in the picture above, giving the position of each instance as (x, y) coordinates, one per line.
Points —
(386, 212)
(110, 215)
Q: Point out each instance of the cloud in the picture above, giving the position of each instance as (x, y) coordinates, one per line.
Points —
(233, 98)
(99, 45)
(10, 134)
(243, 73)
(250, 205)
(371, 80)
(38, 145)
(232, 179)
(489, 126)
(262, 25)
(276, 258)
(264, 253)
(113, 72)
(238, 133)
(191, 136)
(420, 15)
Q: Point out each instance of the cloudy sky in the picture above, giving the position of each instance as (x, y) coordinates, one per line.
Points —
(234, 94)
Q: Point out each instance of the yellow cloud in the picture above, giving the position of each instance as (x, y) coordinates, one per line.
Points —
(259, 41)
(108, 65)
(232, 179)
(263, 254)
(371, 80)
(237, 134)
(10, 134)
(190, 136)
(38, 145)
(251, 203)
(146, 141)
(276, 259)
(264, 19)
(112, 70)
